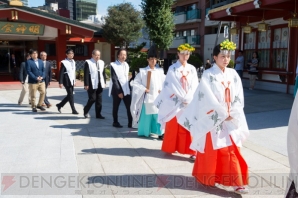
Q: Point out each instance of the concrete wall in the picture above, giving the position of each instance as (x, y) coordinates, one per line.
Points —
(209, 43)
(105, 49)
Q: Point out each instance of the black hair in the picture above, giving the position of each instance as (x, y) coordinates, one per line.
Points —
(152, 52)
(31, 51)
(216, 50)
(68, 51)
(257, 57)
(241, 51)
(120, 50)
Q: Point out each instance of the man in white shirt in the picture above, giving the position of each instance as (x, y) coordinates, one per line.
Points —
(94, 83)
(119, 87)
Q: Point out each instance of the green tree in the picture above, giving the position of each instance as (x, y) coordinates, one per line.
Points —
(159, 21)
(122, 25)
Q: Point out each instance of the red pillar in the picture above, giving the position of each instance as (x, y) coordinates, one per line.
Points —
(60, 50)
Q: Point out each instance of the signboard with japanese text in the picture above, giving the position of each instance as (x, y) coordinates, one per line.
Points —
(21, 28)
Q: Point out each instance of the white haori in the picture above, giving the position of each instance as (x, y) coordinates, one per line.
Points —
(173, 98)
(70, 70)
(121, 70)
(292, 142)
(208, 111)
(139, 97)
(94, 72)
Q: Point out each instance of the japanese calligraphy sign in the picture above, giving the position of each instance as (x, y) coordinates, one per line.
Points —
(21, 28)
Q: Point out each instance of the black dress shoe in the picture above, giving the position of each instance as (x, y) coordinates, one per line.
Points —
(161, 137)
(34, 110)
(75, 112)
(117, 125)
(85, 115)
(59, 108)
(41, 108)
(100, 117)
(129, 125)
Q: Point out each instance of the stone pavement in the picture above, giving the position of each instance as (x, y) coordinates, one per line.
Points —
(116, 162)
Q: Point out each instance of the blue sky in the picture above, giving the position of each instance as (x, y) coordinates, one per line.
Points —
(102, 4)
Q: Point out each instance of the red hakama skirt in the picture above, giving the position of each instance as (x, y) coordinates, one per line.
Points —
(176, 138)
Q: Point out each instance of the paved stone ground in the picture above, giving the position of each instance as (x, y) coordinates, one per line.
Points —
(116, 162)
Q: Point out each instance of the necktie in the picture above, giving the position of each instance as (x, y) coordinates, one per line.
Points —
(97, 66)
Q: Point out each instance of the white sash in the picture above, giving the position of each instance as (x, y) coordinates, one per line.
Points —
(93, 73)
(122, 74)
(101, 65)
(69, 70)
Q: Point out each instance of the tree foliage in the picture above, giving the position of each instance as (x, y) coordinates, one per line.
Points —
(136, 58)
(123, 24)
(159, 21)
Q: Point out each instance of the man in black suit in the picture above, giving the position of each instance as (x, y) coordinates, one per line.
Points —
(94, 82)
(67, 78)
(24, 80)
(36, 75)
(48, 76)
(119, 87)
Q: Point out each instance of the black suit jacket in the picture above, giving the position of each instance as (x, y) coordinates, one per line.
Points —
(87, 77)
(63, 77)
(34, 71)
(48, 73)
(116, 89)
(23, 72)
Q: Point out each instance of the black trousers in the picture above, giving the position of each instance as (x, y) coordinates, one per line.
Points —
(116, 102)
(95, 95)
(292, 191)
(68, 98)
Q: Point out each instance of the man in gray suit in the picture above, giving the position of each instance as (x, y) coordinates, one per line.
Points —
(48, 76)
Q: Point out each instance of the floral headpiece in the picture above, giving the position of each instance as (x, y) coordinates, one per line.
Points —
(185, 48)
(226, 46)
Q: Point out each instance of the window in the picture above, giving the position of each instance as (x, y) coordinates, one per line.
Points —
(280, 48)
(264, 49)
(272, 47)
(192, 32)
(249, 46)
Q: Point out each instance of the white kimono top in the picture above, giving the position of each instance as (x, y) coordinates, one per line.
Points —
(179, 87)
(292, 142)
(212, 104)
(138, 92)
(70, 69)
(94, 71)
(121, 70)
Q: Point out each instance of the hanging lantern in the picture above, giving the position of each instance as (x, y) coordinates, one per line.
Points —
(263, 27)
(293, 22)
(234, 31)
(247, 29)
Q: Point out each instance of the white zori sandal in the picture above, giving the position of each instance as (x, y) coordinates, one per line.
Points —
(240, 190)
